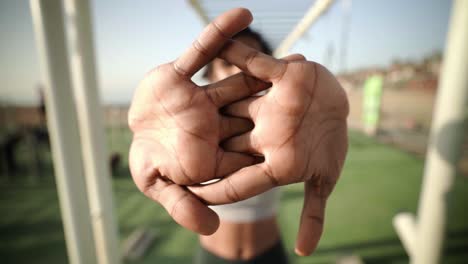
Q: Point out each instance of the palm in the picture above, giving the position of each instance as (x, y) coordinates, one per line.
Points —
(308, 141)
(180, 133)
(300, 129)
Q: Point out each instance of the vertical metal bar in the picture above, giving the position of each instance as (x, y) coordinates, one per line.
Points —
(63, 130)
(345, 28)
(90, 114)
(445, 145)
(405, 226)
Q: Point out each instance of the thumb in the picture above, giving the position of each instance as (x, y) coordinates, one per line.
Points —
(312, 219)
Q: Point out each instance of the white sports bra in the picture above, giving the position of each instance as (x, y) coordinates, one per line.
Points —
(256, 208)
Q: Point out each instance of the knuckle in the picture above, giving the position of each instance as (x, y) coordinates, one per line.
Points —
(250, 82)
(198, 46)
(315, 218)
(231, 192)
(279, 71)
(250, 58)
(219, 30)
(214, 95)
(173, 211)
(179, 70)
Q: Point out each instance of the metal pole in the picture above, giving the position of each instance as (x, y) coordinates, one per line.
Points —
(446, 137)
(345, 27)
(199, 9)
(319, 8)
(63, 130)
(405, 226)
(91, 126)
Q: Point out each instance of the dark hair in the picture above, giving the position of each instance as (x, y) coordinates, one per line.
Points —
(248, 32)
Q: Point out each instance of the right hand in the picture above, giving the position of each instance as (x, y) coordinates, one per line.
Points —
(300, 129)
(177, 127)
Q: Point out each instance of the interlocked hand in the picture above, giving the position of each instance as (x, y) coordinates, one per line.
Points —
(177, 126)
(300, 129)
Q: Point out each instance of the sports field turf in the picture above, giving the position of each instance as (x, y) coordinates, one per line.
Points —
(378, 181)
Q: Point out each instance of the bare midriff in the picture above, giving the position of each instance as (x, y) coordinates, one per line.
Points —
(242, 241)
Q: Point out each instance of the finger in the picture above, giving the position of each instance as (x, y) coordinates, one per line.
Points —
(289, 58)
(184, 207)
(211, 40)
(294, 57)
(234, 88)
(247, 108)
(312, 219)
(231, 126)
(240, 185)
(254, 62)
(245, 143)
(232, 162)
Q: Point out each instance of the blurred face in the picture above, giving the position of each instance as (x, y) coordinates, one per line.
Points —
(222, 69)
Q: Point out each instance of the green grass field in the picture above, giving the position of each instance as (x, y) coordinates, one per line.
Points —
(378, 181)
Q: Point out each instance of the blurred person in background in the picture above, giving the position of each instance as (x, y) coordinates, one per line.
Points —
(248, 229)
(373, 88)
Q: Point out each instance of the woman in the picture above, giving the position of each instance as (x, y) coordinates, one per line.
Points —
(248, 231)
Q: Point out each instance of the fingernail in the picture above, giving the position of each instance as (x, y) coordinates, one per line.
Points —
(300, 253)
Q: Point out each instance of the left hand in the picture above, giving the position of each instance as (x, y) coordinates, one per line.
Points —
(177, 126)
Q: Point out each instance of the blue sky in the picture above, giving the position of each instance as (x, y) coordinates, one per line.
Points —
(134, 36)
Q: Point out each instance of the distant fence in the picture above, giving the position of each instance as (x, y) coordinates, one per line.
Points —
(30, 116)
